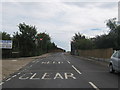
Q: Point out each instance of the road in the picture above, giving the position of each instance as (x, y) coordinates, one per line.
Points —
(62, 71)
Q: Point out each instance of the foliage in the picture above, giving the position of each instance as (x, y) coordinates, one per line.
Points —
(110, 40)
(81, 42)
(30, 43)
(25, 40)
(5, 36)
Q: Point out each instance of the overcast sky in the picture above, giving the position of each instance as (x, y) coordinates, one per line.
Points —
(60, 19)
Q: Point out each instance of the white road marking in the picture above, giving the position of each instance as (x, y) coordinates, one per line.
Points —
(32, 77)
(54, 62)
(18, 73)
(70, 75)
(14, 60)
(58, 62)
(93, 85)
(68, 62)
(76, 70)
(8, 79)
(58, 75)
(48, 62)
(46, 76)
(43, 63)
(1, 83)
(14, 76)
(23, 76)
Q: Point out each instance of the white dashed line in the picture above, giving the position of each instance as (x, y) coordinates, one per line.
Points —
(76, 70)
(58, 62)
(8, 79)
(14, 76)
(68, 62)
(93, 85)
(1, 83)
(18, 73)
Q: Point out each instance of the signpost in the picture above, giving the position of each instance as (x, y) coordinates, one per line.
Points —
(6, 44)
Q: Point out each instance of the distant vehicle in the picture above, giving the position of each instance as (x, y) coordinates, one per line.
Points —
(114, 64)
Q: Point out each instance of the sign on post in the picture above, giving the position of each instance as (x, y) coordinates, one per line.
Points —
(6, 44)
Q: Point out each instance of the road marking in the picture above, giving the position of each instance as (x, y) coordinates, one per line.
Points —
(1, 83)
(69, 75)
(68, 62)
(54, 62)
(23, 76)
(48, 62)
(58, 75)
(76, 70)
(8, 79)
(18, 73)
(14, 76)
(93, 85)
(46, 76)
(32, 77)
(14, 60)
(58, 62)
(43, 63)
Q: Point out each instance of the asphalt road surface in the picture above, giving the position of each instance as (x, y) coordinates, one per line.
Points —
(62, 71)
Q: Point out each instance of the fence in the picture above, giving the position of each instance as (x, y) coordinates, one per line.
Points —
(97, 53)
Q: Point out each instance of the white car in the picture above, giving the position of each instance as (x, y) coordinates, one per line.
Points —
(114, 64)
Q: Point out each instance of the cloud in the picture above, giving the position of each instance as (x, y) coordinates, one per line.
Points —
(60, 19)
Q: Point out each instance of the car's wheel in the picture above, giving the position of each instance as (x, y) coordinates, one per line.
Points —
(111, 70)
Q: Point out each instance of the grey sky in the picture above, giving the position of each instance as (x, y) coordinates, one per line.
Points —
(60, 19)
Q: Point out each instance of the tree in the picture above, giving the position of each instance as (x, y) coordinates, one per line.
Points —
(43, 39)
(114, 32)
(25, 40)
(44, 43)
(81, 42)
(5, 36)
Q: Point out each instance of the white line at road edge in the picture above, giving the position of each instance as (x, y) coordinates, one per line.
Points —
(1, 83)
(93, 85)
(76, 70)
(68, 62)
(14, 76)
(8, 79)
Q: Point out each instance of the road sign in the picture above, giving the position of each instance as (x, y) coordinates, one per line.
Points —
(6, 44)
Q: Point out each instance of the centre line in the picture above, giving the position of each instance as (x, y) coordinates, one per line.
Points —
(93, 85)
(76, 70)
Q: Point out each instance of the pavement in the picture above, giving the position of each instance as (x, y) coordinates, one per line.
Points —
(60, 70)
